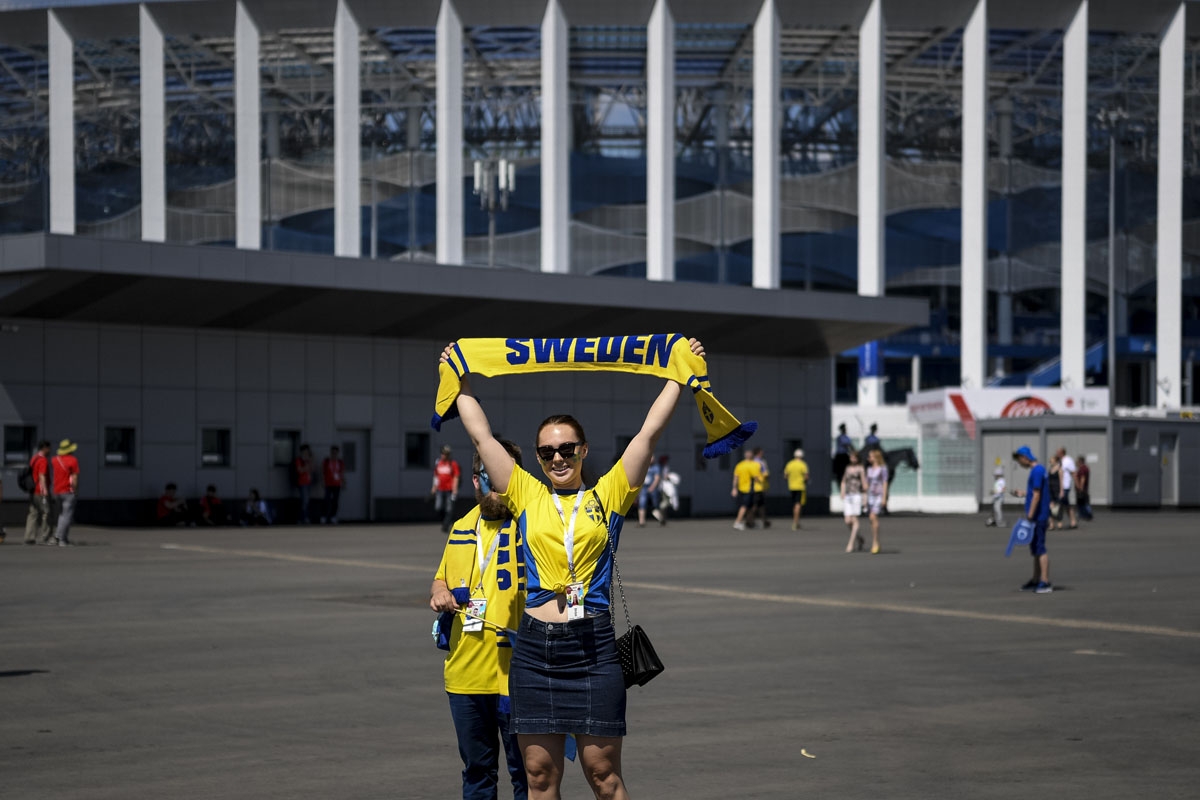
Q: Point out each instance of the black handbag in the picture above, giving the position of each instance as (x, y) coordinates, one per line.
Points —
(639, 662)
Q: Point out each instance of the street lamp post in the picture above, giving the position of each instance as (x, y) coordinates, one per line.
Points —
(1111, 119)
(494, 182)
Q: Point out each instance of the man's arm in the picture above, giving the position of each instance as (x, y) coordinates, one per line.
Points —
(441, 598)
(1034, 500)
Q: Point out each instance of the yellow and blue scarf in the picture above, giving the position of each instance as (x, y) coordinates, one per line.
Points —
(661, 355)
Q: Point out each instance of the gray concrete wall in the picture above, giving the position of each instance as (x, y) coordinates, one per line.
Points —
(71, 380)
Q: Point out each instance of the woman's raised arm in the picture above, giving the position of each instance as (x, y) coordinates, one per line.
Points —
(495, 458)
(640, 450)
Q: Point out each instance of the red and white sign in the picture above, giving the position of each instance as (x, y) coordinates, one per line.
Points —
(969, 405)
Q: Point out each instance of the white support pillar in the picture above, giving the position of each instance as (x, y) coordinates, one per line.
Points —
(347, 160)
(556, 142)
(872, 200)
(248, 130)
(1074, 201)
(61, 57)
(973, 362)
(450, 221)
(660, 144)
(153, 128)
(767, 122)
(1169, 331)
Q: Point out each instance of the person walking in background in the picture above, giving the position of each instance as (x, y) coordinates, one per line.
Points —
(650, 494)
(877, 492)
(446, 476)
(845, 444)
(334, 473)
(1068, 484)
(1037, 511)
(481, 572)
(760, 496)
(66, 486)
(853, 483)
(37, 521)
(670, 490)
(998, 486)
(747, 477)
(796, 473)
(1083, 495)
(303, 469)
(1054, 483)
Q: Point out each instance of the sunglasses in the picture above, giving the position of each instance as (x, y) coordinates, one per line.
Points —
(566, 450)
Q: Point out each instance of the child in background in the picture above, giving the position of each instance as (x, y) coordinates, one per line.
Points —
(998, 485)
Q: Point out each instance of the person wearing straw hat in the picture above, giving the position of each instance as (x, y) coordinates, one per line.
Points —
(66, 485)
(482, 562)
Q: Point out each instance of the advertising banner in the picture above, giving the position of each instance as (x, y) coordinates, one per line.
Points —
(969, 405)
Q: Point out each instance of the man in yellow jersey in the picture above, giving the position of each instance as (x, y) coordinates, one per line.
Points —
(747, 481)
(796, 472)
(481, 581)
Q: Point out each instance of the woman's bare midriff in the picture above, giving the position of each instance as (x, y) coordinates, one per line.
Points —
(551, 611)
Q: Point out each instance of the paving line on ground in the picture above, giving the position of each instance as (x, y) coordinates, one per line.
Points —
(789, 599)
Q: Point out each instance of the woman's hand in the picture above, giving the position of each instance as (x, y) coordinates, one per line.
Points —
(697, 347)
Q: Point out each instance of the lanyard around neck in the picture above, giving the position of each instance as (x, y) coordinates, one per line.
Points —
(483, 560)
(569, 530)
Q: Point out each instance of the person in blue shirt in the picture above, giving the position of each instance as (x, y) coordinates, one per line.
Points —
(872, 440)
(1037, 511)
(844, 443)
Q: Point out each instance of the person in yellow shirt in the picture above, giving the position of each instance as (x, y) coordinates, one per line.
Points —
(796, 472)
(747, 482)
(482, 562)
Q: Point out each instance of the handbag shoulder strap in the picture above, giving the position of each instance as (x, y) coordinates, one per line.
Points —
(616, 571)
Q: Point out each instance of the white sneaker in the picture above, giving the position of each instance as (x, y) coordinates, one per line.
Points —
(739, 526)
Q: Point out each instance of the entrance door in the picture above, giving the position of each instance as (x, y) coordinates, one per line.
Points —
(1167, 445)
(355, 502)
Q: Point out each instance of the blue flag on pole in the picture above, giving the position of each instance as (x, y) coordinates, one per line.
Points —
(1022, 533)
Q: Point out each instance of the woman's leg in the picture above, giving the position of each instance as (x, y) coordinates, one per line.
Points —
(600, 757)
(543, 754)
(852, 524)
(874, 532)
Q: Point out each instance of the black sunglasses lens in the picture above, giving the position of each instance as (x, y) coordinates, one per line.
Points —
(566, 450)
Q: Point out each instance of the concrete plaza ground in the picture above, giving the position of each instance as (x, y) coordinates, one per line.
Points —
(296, 663)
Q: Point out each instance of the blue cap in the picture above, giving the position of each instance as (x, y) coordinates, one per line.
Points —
(1025, 451)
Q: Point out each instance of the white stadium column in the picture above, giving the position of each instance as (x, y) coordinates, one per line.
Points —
(973, 362)
(1073, 303)
(660, 144)
(872, 201)
(556, 142)
(347, 162)
(766, 148)
(450, 221)
(248, 133)
(61, 57)
(153, 128)
(1169, 332)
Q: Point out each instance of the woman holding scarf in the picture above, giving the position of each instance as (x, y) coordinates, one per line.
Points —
(566, 674)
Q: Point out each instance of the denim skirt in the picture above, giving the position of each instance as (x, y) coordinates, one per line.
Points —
(566, 678)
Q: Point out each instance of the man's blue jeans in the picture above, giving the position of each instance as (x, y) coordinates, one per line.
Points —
(481, 730)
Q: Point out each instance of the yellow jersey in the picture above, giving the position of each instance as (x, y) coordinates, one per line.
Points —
(748, 474)
(602, 510)
(796, 472)
(478, 660)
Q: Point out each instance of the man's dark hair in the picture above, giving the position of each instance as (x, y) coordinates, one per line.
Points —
(43, 445)
(171, 486)
(211, 488)
(513, 449)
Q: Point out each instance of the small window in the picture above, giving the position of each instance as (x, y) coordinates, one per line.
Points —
(349, 456)
(19, 442)
(416, 451)
(119, 447)
(1129, 438)
(215, 447)
(285, 446)
(1129, 482)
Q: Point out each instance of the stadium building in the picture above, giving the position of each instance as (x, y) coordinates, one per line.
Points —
(229, 227)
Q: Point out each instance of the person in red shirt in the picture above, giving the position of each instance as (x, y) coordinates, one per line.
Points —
(445, 487)
(37, 522)
(66, 485)
(334, 470)
(212, 510)
(303, 468)
(172, 509)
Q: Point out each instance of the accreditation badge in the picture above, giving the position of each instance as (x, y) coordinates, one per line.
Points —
(574, 601)
(476, 607)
